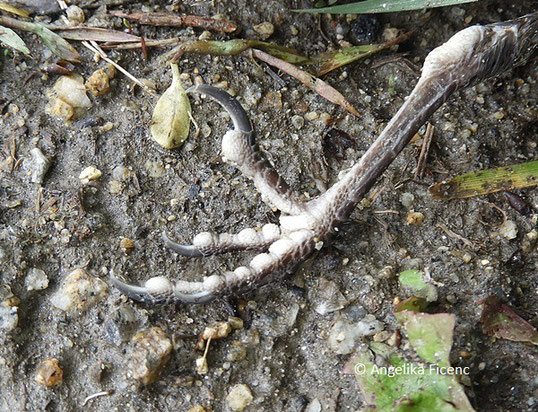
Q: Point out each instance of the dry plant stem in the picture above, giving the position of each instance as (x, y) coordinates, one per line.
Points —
(314, 83)
(94, 47)
(174, 20)
(424, 151)
(454, 235)
(136, 45)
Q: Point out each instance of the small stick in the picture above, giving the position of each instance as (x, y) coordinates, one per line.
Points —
(454, 235)
(137, 44)
(421, 164)
(314, 83)
(173, 20)
(96, 395)
(94, 47)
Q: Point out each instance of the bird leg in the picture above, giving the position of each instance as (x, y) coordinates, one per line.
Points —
(470, 56)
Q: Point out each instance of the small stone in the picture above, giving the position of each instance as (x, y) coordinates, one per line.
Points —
(414, 218)
(9, 319)
(271, 101)
(310, 116)
(98, 83)
(151, 351)
(126, 243)
(36, 279)
(121, 173)
(498, 115)
(206, 35)
(219, 331)
(89, 174)
(390, 33)
(107, 127)
(38, 165)
(155, 169)
(369, 326)
(49, 373)
(327, 297)
(314, 406)
(75, 15)
(265, 29)
(451, 298)
(342, 337)
(466, 257)
(120, 325)
(78, 292)
(532, 235)
(201, 365)
(68, 97)
(196, 408)
(206, 130)
(297, 121)
(115, 187)
(239, 397)
(237, 352)
(407, 200)
(386, 272)
(235, 322)
(508, 230)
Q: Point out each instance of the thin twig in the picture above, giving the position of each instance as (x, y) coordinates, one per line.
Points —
(137, 44)
(314, 83)
(174, 20)
(424, 151)
(94, 47)
(454, 235)
(96, 395)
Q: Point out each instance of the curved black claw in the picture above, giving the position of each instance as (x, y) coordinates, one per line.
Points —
(231, 105)
(184, 250)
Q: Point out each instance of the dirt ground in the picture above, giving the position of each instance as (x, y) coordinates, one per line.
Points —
(282, 352)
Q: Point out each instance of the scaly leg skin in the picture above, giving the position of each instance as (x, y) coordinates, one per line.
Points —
(470, 56)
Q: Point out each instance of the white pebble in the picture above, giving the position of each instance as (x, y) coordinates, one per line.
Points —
(36, 279)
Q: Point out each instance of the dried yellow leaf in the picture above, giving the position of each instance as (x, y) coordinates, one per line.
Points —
(171, 116)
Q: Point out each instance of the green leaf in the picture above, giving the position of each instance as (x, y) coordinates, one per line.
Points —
(488, 181)
(414, 281)
(171, 116)
(430, 335)
(56, 44)
(384, 6)
(404, 386)
(12, 39)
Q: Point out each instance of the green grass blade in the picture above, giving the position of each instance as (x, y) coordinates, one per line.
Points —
(384, 6)
(12, 39)
(56, 44)
(487, 181)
